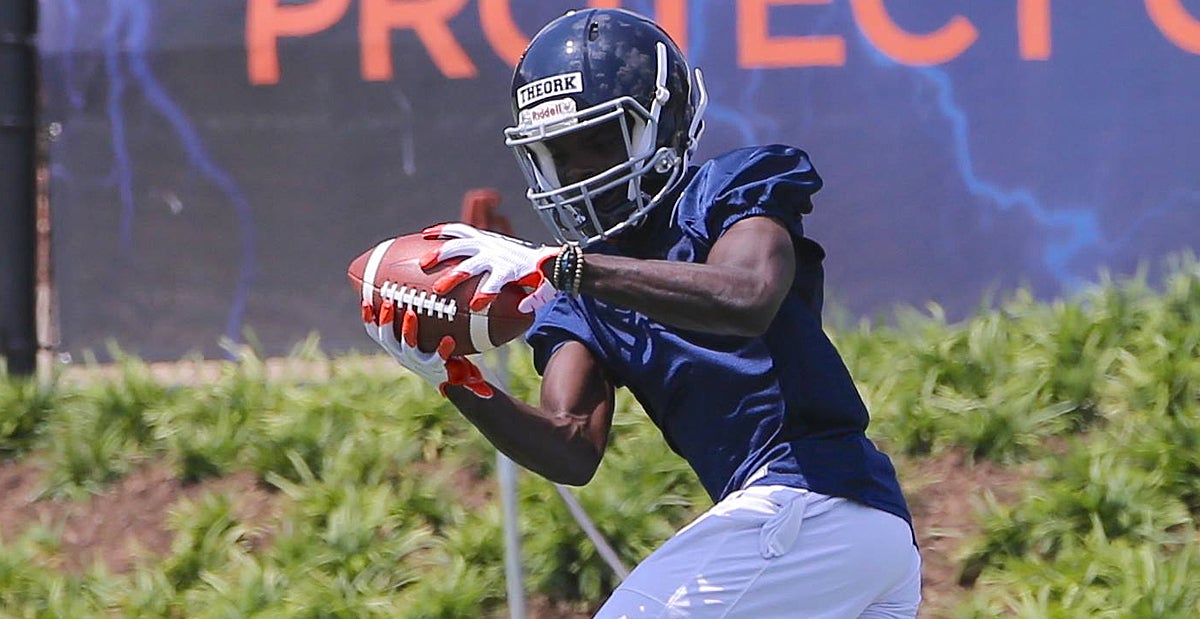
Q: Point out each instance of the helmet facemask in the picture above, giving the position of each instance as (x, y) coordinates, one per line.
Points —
(586, 210)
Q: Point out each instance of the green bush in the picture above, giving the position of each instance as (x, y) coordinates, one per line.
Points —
(25, 406)
(387, 499)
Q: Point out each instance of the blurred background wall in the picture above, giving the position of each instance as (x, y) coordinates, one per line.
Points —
(214, 166)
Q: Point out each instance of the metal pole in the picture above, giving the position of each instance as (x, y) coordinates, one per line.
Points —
(589, 528)
(479, 210)
(514, 577)
(18, 232)
(506, 471)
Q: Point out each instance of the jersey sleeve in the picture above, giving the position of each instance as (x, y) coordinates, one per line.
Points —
(557, 323)
(776, 181)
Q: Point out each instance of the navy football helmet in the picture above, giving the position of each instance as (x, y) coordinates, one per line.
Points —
(612, 87)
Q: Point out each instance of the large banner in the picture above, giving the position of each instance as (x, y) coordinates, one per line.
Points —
(215, 165)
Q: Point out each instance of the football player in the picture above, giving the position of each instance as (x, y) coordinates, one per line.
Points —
(695, 287)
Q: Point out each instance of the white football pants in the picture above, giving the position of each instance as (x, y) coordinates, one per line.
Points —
(772, 551)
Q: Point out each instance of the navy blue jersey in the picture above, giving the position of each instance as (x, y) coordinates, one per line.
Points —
(775, 409)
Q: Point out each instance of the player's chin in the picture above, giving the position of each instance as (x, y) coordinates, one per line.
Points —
(610, 209)
(613, 209)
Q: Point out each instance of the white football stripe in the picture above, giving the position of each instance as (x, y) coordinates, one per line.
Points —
(368, 289)
(479, 330)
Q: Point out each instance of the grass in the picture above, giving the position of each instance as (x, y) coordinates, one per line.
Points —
(1099, 394)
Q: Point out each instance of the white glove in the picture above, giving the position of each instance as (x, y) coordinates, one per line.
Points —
(438, 368)
(506, 260)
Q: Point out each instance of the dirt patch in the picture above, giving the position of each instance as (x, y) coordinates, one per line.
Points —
(19, 484)
(471, 489)
(128, 521)
(541, 608)
(945, 493)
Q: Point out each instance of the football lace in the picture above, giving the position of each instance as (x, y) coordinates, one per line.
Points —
(421, 301)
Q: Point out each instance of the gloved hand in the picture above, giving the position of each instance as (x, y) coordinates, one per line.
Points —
(438, 368)
(505, 259)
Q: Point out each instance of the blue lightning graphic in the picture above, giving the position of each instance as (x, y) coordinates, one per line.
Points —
(1176, 199)
(116, 119)
(743, 119)
(126, 32)
(74, 93)
(1076, 229)
(1073, 230)
(752, 125)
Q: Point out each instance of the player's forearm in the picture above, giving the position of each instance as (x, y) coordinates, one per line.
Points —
(698, 297)
(558, 447)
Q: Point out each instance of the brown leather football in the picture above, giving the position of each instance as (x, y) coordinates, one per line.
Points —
(393, 269)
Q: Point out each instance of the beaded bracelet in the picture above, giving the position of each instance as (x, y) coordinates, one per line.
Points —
(568, 269)
(556, 272)
(578, 279)
(563, 269)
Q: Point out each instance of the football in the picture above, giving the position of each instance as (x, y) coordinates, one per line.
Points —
(392, 269)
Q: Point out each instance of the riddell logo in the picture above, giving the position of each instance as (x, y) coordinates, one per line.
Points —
(548, 112)
(548, 87)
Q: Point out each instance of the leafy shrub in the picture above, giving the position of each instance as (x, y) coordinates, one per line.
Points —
(25, 407)
(387, 511)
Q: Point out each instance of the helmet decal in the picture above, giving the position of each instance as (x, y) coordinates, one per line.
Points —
(548, 113)
(549, 87)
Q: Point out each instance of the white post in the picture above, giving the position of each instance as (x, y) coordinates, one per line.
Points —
(589, 528)
(479, 209)
(514, 578)
(506, 471)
